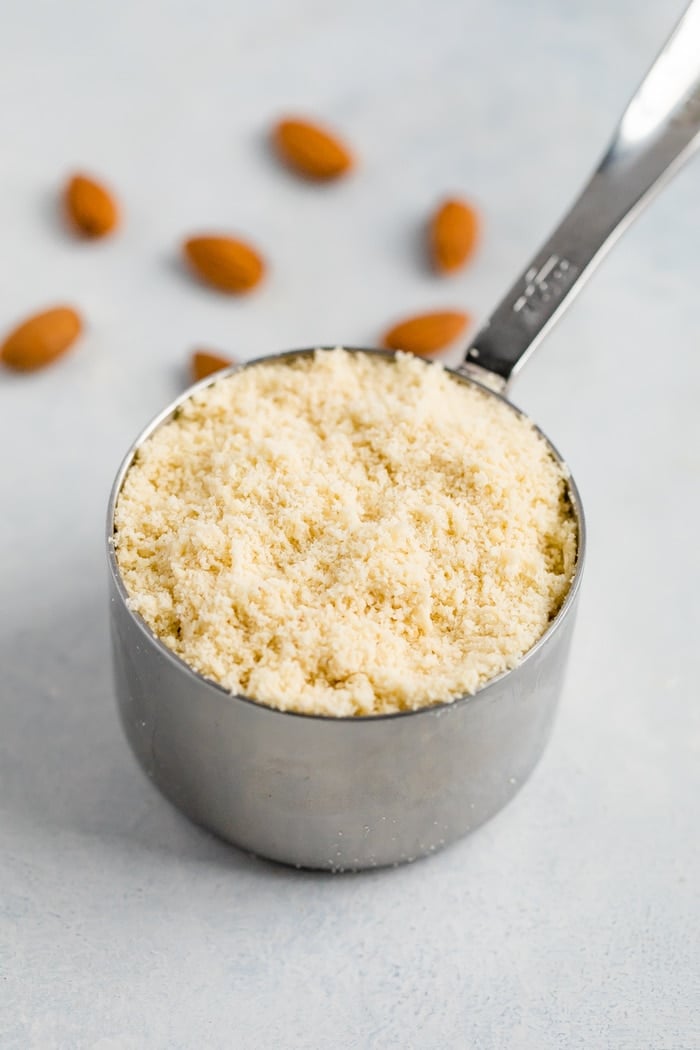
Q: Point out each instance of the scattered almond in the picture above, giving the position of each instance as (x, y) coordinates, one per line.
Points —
(225, 263)
(426, 333)
(310, 150)
(204, 363)
(41, 339)
(90, 207)
(453, 233)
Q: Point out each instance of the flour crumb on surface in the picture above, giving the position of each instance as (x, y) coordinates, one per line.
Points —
(345, 534)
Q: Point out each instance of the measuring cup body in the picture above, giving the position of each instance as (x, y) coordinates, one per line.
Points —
(319, 792)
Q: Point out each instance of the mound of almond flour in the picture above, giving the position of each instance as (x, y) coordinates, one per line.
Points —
(344, 534)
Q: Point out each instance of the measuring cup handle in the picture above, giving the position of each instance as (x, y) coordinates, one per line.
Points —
(658, 131)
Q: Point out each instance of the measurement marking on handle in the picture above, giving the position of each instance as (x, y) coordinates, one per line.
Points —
(688, 113)
(543, 286)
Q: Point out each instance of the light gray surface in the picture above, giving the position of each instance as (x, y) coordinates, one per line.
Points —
(569, 921)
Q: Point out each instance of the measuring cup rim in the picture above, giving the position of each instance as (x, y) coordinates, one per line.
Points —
(168, 412)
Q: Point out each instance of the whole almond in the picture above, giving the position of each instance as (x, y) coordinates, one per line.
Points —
(310, 150)
(426, 333)
(90, 206)
(41, 339)
(225, 263)
(204, 363)
(453, 234)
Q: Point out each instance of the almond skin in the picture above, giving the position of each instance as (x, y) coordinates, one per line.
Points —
(225, 263)
(41, 339)
(204, 363)
(453, 233)
(426, 333)
(310, 150)
(90, 207)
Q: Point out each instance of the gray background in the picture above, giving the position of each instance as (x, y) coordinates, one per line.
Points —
(572, 919)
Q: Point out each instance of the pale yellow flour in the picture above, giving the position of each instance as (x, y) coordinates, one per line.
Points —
(346, 535)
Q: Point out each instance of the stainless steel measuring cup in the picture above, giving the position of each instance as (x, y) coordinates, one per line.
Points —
(351, 793)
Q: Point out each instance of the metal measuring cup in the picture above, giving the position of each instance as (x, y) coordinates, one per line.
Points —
(352, 793)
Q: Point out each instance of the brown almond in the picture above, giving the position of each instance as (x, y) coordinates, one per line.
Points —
(453, 234)
(90, 206)
(41, 339)
(225, 263)
(311, 151)
(426, 333)
(204, 363)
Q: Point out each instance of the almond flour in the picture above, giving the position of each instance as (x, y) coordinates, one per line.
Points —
(344, 534)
